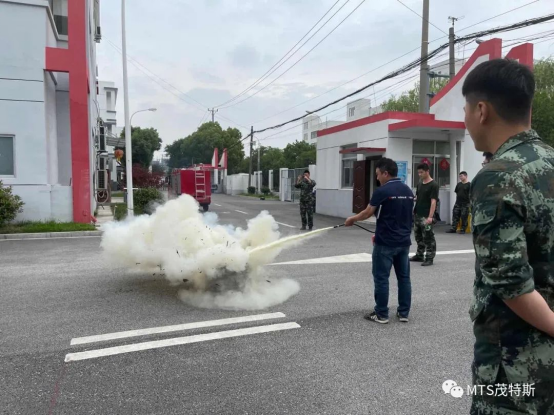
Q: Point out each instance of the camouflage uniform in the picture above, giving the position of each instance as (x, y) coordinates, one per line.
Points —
(307, 201)
(460, 212)
(512, 201)
(426, 243)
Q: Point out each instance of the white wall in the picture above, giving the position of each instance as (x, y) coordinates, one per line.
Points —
(236, 184)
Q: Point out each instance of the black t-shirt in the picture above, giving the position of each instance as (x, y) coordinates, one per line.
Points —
(395, 203)
(424, 194)
(462, 193)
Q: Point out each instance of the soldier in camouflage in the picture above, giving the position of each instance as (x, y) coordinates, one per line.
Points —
(307, 199)
(512, 200)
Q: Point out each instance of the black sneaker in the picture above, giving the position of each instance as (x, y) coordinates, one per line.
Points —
(462, 232)
(416, 258)
(311, 227)
(402, 319)
(374, 317)
(427, 262)
(303, 228)
(451, 231)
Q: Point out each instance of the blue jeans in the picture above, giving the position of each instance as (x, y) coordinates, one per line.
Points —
(384, 258)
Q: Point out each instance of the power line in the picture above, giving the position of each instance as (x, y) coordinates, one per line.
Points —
(317, 44)
(418, 61)
(413, 11)
(391, 61)
(180, 93)
(260, 79)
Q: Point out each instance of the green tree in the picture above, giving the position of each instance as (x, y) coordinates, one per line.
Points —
(199, 147)
(299, 154)
(144, 141)
(409, 100)
(543, 103)
(270, 159)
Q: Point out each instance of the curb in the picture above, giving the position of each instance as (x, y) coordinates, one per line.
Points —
(18, 236)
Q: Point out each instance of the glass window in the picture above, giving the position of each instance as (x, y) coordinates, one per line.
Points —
(306, 137)
(351, 111)
(348, 160)
(7, 156)
(314, 135)
(442, 174)
(305, 125)
(348, 173)
(442, 147)
(423, 147)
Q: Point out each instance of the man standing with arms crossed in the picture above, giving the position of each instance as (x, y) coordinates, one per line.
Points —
(512, 200)
(461, 207)
(427, 195)
(392, 203)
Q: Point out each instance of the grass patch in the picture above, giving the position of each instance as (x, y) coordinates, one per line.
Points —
(119, 211)
(117, 194)
(42, 227)
(267, 197)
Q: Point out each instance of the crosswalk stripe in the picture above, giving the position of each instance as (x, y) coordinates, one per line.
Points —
(362, 257)
(178, 327)
(110, 351)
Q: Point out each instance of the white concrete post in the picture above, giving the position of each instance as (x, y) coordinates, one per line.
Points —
(453, 175)
(271, 179)
(281, 185)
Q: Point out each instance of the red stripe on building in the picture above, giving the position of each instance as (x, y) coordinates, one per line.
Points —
(73, 60)
(492, 48)
(389, 115)
(522, 53)
(439, 124)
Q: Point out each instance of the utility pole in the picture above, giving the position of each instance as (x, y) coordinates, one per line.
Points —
(259, 169)
(251, 144)
(423, 77)
(451, 38)
(128, 142)
(213, 111)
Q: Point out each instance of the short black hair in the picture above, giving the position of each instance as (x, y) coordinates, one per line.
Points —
(464, 173)
(387, 165)
(487, 155)
(507, 84)
(423, 166)
(306, 171)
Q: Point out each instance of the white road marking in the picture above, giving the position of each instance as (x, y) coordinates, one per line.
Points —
(136, 347)
(240, 211)
(284, 224)
(217, 204)
(44, 239)
(178, 327)
(362, 257)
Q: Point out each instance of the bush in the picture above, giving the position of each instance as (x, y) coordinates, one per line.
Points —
(120, 211)
(142, 178)
(251, 190)
(266, 190)
(10, 204)
(143, 198)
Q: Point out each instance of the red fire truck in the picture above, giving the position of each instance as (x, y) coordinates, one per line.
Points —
(194, 181)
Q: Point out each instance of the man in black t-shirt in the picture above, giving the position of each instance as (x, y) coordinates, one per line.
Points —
(461, 207)
(427, 196)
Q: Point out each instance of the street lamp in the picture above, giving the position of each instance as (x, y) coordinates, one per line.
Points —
(128, 150)
(149, 109)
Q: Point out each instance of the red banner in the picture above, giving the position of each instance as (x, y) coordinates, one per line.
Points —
(444, 164)
(426, 161)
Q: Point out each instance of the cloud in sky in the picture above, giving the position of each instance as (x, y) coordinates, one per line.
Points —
(211, 50)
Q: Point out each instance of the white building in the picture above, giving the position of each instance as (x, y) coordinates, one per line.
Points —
(312, 124)
(360, 108)
(443, 67)
(48, 115)
(107, 101)
(346, 153)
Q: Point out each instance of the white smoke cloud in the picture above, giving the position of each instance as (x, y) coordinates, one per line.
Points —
(218, 266)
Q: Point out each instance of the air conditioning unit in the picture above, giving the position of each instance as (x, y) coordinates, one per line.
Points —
(102, 180)
(98, 34)
(103, 163)
(102, 139)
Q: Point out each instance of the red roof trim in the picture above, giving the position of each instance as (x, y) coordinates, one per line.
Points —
(439, 124)
(492, 47)
(390, 115)
(522, 53)
(363, 150)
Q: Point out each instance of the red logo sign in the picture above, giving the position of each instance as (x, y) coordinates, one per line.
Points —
(444, 164)
(426, 161)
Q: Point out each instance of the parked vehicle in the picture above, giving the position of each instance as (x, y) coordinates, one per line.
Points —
(194, 181)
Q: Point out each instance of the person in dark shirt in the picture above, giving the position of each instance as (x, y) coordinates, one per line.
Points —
(307, 199)
(393, 204)
(427, 195)
(461, 207)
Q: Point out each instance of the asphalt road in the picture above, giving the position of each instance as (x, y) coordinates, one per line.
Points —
(335, 362)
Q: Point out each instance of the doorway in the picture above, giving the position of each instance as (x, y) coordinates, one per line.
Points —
(365, 182)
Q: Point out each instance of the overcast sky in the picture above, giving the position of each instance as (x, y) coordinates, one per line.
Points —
(211, 50)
